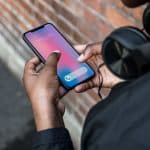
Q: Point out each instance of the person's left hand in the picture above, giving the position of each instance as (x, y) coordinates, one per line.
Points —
(92, 54)
(44, 92)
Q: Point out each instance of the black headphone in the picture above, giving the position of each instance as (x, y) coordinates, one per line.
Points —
(126, 51)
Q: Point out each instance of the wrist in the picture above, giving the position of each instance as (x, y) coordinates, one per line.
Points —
(43, 97)
(47, 117)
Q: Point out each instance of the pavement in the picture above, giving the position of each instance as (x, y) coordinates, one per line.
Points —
(16, 121)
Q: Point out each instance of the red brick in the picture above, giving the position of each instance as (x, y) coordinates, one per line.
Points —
(89, 17)
(104, 29)
(138, 13)
(28, 8)
(25, 14)
(116, 18)
(93, 4)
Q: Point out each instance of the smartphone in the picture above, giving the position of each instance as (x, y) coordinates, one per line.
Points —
(44, 40)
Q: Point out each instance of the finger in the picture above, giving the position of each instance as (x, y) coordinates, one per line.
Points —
(39, 67)
(80, 48)
(50, 67)
(62, 91)
(89, 51)
(85, 55)
(84, 86)
(31, 65)
(61, 108)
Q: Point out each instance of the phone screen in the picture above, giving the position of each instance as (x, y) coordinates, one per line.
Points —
(47, 39)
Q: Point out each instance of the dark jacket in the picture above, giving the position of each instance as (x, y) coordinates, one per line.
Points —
(120, 122)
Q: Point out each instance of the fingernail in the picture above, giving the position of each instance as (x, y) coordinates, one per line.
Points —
(56, 51)
(81, 58)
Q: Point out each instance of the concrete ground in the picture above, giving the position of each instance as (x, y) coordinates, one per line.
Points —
(16, 123)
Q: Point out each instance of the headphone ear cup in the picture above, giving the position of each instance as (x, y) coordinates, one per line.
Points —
(117, 51)
(146, 19)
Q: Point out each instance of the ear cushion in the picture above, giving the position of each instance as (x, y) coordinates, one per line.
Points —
(146, 19)
(129, 37)
(117, 50)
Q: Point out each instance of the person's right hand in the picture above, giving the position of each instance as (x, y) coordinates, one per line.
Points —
(44, 92)
(92, 54)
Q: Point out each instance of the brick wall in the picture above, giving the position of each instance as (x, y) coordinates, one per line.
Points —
(81, 21)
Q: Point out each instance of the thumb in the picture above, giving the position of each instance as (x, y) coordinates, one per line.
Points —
(89, 51)
(51, 63)
(85, 55)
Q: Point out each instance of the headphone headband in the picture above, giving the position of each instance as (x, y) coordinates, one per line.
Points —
(146, 19)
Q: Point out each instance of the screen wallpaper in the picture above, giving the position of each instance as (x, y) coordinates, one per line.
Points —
(46, 40)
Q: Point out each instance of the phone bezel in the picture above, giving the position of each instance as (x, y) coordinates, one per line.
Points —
(43, 60)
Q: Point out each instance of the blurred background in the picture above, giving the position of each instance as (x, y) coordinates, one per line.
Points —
(81, 21)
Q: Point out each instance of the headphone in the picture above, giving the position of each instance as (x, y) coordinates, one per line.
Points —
(126, 51)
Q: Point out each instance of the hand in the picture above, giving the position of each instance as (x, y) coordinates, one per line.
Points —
(92, 54)
(44, 92)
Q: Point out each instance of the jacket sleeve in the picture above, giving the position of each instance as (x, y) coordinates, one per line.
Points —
(52, 139)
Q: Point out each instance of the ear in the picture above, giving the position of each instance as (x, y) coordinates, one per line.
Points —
(134, 3)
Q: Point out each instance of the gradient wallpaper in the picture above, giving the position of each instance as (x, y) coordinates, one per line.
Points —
(70, 71)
